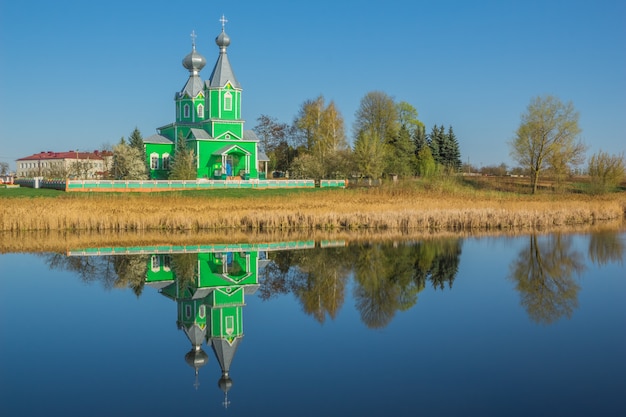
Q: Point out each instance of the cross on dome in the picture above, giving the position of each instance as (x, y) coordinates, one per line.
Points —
(193, 39)
(223, 20)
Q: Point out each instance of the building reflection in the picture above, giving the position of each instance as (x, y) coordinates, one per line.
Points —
(209, 290)
(209, 285)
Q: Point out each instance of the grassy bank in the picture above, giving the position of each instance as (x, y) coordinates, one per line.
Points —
(415, 206)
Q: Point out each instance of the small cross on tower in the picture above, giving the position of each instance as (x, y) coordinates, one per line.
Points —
(193, 39)
(223, 20)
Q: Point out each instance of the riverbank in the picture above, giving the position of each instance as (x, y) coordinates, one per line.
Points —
(378, 209)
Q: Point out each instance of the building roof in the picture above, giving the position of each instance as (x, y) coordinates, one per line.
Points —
(222, 71)
(262, 157)
(192, 88)
(229, 148)
(200, 133)
(249, 135)
(158, 139)
(66, 155)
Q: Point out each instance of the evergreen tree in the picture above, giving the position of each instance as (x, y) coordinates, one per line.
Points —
(419, 139)
(136, 141)
(453, 158)
(184, 164)
(434, 142)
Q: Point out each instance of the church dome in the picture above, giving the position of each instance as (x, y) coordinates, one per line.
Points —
(222, 40)
(194, 62)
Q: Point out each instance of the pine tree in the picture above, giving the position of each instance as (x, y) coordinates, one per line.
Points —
(184, 164)
(434, 142)
(454, 154)
(419, 139)
(136, 141)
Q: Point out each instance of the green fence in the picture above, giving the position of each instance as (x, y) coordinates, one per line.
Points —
(166, 185)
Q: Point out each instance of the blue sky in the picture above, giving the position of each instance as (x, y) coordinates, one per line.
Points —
(80, 74)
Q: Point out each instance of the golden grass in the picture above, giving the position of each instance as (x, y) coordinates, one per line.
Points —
(386, 208)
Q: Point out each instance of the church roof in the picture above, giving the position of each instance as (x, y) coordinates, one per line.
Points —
(224, 351)
(158, 139)
(193, 87)
(222, 71)
(200, 133)
(262, 157)
(249, 135)
(229, 148)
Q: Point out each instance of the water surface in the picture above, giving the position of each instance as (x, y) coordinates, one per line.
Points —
(529, 325)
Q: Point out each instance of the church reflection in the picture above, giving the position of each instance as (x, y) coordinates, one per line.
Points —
(209, 290)
(209, 285)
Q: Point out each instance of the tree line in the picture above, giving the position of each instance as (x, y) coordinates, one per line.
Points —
(390, 140)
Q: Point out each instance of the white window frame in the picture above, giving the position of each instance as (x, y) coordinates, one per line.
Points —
(155, 264)
(228, 101)
(154, 160)
(200, 110)
(186, 111)
(165, 161)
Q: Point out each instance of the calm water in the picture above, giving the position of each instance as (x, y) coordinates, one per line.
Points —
(528, 326)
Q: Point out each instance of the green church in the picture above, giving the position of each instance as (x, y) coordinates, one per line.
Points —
(208, 120)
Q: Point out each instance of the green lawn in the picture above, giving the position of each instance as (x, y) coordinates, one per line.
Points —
(28, 192)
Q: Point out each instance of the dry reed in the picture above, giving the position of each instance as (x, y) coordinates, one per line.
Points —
(330, 210)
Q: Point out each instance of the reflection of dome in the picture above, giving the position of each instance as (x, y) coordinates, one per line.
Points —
(225, 383)
(196, 358)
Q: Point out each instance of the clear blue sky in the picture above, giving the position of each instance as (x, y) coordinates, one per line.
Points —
(80, 74)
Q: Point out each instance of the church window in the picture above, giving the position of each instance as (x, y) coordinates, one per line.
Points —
(154, 263)
(230, 324)
(187, 311)
(166, 161)
(186, 111)
(200, 110)
(154, 161)
(166, 263)
(202, 311)
(228, 101)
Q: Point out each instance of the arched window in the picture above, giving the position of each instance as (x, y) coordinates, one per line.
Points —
(228, 101)
(154, 161)
(166, 161)
(155, 265)
(200, 110)
(186, 111)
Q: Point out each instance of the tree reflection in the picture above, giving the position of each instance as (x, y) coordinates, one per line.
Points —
(119, 271)
(543, 276)
(388, 277)
(605, 247)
